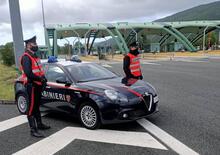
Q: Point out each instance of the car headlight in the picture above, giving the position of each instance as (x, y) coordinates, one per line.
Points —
(151, 89)
(115, 96)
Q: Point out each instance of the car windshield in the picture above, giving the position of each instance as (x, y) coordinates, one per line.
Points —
(89, 72)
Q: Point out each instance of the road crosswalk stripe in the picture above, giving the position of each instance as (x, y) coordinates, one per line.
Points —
(62, 138)
(167, 139)
(13, 122)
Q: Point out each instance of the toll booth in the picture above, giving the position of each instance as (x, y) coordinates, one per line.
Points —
(175, 46)
(155, 47)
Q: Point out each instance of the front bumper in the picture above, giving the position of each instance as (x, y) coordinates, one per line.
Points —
(140, 108)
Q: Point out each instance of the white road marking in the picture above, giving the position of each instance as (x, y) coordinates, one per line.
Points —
(150, 63)
(188, 60)
(167, 139)
(214, 57)
(62, 138)
(13, 122)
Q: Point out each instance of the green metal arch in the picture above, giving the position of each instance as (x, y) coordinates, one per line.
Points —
(192, 48)
(178, 38)
(113, 30)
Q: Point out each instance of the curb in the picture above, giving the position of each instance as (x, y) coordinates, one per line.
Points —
(6, 102)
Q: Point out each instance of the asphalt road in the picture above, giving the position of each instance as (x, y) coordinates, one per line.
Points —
(189, 92)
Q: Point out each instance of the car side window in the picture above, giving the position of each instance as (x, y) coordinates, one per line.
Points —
(55, 72)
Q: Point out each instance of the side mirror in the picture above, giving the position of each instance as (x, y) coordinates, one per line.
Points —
(63, 80)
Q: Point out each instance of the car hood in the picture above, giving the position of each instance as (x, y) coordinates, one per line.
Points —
(131, 87)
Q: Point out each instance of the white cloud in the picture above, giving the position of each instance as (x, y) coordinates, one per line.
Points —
(2, 2)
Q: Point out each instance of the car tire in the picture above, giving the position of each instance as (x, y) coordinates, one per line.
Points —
(22, 103)
(89, 116)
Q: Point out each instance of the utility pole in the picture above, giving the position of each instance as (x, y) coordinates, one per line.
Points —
(42, 5)
(16, 27)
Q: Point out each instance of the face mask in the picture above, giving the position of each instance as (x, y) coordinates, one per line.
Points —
(34, 48)
(135, 52)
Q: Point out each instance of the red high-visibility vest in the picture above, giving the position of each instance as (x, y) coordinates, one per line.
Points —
(135, 66)
(37, 69)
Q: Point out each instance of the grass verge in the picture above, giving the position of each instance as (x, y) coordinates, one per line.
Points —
(7, 77)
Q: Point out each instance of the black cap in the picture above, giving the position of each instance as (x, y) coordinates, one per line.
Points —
(31, 40)
(133, 44)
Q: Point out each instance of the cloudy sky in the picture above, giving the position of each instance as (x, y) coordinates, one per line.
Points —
(74, 11)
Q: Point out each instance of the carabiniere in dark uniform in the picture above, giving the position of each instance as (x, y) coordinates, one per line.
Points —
(34, 81)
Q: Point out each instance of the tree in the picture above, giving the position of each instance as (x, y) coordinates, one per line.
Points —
(1, 50)
(8, 54)
(64, 50)
(78, 44)
(211, 38)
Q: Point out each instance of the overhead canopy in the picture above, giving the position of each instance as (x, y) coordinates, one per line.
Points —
(186, 33)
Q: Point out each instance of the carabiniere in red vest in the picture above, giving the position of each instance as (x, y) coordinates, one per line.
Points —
(131, 63)
(36, 68)
(34, 81)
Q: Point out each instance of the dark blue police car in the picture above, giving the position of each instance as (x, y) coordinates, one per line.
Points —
(95, 94)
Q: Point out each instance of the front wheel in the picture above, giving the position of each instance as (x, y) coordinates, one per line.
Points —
(22, 103)
(89, 116)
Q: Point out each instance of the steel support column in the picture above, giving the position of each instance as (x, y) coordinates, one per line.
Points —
(85, 36)
(55, 52)
(47, 42)
(204, 34)
(16, 29)
(90, 48)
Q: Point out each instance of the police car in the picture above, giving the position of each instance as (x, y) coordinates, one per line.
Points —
(96, 95)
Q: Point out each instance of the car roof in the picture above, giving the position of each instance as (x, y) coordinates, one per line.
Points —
(64, 62)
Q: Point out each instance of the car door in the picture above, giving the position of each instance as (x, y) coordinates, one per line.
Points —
(57, 94)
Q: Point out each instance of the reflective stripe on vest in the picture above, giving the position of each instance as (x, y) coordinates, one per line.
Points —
(37, 69)
(135, 70)
(135, 66)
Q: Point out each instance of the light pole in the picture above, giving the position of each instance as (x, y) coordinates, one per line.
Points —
(42, 5)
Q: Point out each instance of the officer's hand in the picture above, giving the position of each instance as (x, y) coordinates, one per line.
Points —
(44, 81)
(141, 77)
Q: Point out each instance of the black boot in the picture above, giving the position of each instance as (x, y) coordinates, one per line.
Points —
(33, 126)
(40, 125)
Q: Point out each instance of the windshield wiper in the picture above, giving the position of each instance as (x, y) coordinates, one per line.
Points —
(82, 81)
(108, 78)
